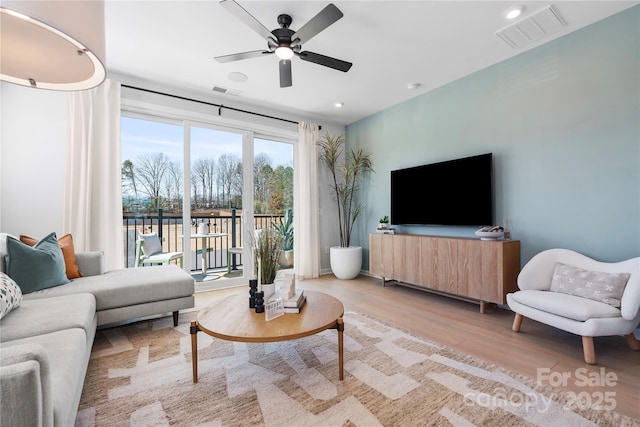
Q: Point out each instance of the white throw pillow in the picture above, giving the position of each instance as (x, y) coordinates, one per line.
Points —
(595, 285)
(10, 295)
(151, 244)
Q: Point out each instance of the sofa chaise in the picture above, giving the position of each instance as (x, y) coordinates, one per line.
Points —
(45, 343)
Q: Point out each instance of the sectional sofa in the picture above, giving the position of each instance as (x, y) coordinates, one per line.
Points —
(45, 343)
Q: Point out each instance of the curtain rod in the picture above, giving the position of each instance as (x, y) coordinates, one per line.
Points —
(220, 106)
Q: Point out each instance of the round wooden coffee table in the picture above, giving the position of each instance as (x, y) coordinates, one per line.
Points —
(231, 319)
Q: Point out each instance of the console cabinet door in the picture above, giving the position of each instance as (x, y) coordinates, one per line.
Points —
(439, 270)
(478, 270)
(407, 258)
(381, 255)
(488, 270)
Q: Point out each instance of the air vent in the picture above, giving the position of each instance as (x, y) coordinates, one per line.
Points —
(220, 89)
(532, 28)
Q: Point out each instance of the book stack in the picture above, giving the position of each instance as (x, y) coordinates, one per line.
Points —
(293, 304)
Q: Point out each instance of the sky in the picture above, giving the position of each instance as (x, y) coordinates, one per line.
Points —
(144, 136)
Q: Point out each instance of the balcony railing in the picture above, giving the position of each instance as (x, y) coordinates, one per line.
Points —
(172, 229)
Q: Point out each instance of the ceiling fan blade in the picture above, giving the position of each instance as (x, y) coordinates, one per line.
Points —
(239, 56)
(327, 61)
(285, 73)
(240, 13)
(322, 20)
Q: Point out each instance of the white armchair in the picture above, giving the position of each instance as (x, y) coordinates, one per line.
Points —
(579, 315)
(149, 251)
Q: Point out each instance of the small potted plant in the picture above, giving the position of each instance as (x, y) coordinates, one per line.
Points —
(268, 251)
(384, 223)
(285, 229)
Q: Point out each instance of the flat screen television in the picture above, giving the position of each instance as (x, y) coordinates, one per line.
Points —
(454, 192)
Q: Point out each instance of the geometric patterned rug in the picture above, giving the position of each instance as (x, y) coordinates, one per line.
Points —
(140, 375)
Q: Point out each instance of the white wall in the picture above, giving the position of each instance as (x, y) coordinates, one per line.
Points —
(33, 125)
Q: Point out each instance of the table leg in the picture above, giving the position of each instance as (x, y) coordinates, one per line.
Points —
(194, 350)
(341, 347)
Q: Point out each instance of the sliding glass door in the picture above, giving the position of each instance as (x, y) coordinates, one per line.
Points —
(273, 192)
(216, 203)
(205, 189)
(152, 182)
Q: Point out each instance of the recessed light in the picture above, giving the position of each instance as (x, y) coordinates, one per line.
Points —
(237, 77)
(513, 12)
(413, 86)
(338, 104)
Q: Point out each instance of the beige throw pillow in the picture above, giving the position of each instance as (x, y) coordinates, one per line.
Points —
(594, 285)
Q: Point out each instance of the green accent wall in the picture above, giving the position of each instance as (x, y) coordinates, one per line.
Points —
(563, 123)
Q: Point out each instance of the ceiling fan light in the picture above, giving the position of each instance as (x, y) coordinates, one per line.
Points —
(284, 52)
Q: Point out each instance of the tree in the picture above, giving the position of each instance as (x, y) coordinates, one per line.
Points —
(128, 178)
(227, 171)
(173, 185)
(261, 170)
(280, 185)
(149, 171)
(204, 172)
(236, 186)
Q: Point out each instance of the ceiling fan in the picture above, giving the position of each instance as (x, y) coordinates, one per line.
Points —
(286, 43)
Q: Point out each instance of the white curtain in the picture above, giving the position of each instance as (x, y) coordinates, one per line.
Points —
(307, 247)
(93, 193)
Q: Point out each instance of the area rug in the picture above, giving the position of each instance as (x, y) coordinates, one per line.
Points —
(140, 375)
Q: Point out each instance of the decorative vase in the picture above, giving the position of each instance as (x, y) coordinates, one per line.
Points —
(346, 262)
(268, 290)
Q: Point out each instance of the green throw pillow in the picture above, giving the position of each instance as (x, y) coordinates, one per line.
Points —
(38, 267)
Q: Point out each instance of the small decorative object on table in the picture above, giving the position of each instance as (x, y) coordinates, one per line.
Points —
(253, 288)
(287, 286)
(274, 309)
(293, 304)
(490, 232)
(260, 302)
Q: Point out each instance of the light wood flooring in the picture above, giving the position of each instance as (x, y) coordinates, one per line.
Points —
(459, 325)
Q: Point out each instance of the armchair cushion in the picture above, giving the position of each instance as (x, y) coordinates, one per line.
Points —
(565, 305)
(151, 244)
(595, 285)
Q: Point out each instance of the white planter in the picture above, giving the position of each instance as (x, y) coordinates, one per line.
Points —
(346, 262)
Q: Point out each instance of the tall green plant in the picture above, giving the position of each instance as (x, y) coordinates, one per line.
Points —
(268, 248)
(347, 169)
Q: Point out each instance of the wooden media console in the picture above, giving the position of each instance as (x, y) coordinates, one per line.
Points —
(480, 271)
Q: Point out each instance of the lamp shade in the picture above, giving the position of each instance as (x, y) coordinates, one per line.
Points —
(57, 45)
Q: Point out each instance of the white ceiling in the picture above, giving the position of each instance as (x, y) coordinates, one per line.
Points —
(390, 43)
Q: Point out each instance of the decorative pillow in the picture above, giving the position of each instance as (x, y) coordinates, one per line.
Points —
(150, 244)
(595, 285)
(68, 251)
(10, 295)
(38, 267)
